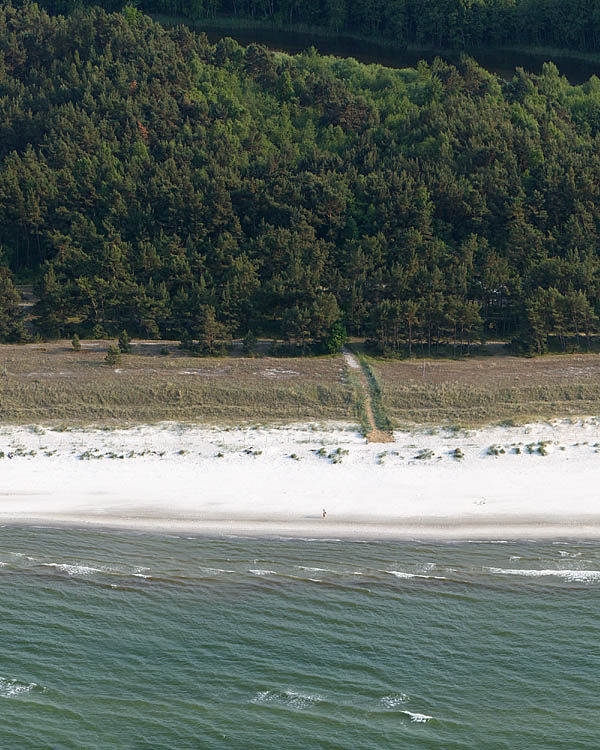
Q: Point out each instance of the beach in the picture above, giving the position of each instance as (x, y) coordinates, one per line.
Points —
(534, 481)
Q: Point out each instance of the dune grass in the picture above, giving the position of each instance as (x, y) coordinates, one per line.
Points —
(50, 382)
(478, 391)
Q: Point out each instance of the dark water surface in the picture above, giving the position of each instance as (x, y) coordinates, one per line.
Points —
(503, 63)
(117, 640)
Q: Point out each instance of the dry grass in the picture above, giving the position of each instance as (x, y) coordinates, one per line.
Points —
(483, 390)
(51, 382)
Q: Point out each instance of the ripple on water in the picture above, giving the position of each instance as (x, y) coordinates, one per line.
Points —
(10, 688)
(287, 698)
(583, 576)
(73, 570)
(394, 700)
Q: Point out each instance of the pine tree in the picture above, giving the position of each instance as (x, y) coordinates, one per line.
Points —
(113, 356)
(124, 343)
(11, 327)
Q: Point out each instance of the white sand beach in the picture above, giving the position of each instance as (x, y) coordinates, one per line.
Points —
(534, 481)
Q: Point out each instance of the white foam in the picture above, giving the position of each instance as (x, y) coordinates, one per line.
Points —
(397, 699)
(73, 570)
(417, 718)
(216, 570)
(315, 570)
(567, 575)
(289, 698)
(10, 688)
(259, 572)
(402, 574)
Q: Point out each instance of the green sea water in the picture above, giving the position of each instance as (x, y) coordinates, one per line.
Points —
(118, 640)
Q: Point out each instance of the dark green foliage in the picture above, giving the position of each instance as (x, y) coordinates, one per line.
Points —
(157, 183)
(442, 24)
(113, 356)
(249, 343)
(11, 327)
(124, 343)
(336, 338)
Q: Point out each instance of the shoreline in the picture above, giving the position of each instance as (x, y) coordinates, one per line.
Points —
(538, 481)
(432, 530)
(233, 25)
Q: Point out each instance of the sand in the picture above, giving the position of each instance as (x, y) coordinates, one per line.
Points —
(530, 482)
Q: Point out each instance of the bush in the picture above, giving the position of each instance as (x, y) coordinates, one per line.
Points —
(336, 339)
(124, 343)
(113, 356)
(249, 343)
(76, 343)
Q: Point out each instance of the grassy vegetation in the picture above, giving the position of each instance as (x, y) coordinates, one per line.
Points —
(51, 382)
(478, 391)
(381, 419)
(359, 403)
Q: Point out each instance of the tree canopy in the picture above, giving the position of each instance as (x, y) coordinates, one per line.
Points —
(153, 182)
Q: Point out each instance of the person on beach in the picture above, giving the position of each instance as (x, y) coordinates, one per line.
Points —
(324, 512)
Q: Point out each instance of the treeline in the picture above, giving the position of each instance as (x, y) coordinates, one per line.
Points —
(153, 182)
(458, 24)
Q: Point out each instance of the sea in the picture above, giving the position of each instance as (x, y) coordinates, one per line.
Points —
(128, 640)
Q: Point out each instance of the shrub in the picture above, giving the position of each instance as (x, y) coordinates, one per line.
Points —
(249, 343)
(113, 356)
(424, 454)
(124, 343)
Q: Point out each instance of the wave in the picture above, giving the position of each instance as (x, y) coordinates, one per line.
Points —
(289, 698)
(314, 539)
(260, 572)
(216, 570)
(315, 570)
(402, 574)
(394, 700)
(567, 575)
(417, 718)
(9, 688)
(74, 570)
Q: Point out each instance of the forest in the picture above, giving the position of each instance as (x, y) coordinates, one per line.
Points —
(153, 182)
(441, 24)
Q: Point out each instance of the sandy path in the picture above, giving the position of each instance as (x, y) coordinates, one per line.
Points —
(374, 435)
